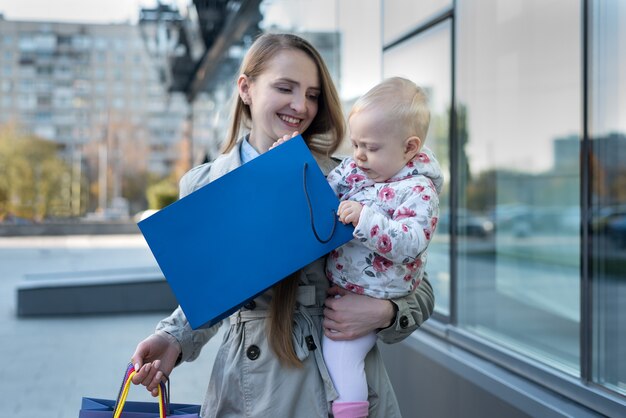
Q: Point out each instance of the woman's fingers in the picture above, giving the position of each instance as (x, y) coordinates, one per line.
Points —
(284, 139)
(353, 315)
(150, 376)
(153, 387)
(335, 291)
(156, 374)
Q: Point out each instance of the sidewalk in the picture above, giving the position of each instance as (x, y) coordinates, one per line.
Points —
(49, 364)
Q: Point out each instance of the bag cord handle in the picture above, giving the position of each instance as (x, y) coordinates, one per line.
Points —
(308, 201)
(164, 398)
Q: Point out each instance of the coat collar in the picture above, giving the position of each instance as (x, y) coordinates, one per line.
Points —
(226, 162)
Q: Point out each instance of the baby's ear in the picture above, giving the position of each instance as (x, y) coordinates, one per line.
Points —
(412, 145)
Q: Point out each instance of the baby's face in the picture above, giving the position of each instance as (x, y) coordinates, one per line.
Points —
(378, 148)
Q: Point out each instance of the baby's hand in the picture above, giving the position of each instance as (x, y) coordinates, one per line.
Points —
(285, 138)
(349, 212)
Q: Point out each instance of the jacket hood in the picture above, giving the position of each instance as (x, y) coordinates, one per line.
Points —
(425, 164)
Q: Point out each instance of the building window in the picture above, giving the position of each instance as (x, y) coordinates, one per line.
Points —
(26, 43)
(45, 42)
(426, 60)
(27, 101)
(6, 86)
(81, 42)
(518, 107)
(44, 100)
(100, 44)
(118, 103)
(608, 193)
(7, 101)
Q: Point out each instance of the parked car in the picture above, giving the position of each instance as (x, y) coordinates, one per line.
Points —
(616, 229)
(516, 219)
(468, 223)
(604, 216)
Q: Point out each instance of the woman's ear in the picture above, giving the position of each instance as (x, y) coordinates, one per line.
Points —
(412, 145)
(243, 85)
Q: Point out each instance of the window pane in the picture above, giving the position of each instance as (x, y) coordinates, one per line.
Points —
(330, 25)
(608, 183)
(426, 59)
(402, 16)
(519, 116)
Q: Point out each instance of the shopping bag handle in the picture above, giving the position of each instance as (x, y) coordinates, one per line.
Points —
(164, 401)
(308, 200)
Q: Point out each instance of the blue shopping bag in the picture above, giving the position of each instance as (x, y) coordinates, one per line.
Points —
(239, 235)
(120, 408)
(104, 408)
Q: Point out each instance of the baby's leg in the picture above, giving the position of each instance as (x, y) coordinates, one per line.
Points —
(346, 364)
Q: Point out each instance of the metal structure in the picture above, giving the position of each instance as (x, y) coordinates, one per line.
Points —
(193, 50)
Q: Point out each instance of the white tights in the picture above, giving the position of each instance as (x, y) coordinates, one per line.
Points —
(345, 361)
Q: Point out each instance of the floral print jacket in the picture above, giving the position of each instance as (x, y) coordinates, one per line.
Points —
(387, 257)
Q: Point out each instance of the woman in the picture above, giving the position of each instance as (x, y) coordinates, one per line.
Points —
(270, 362)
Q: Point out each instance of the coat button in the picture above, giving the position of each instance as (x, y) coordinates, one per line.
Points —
(310, 343)
(253, 352)
(404, 321)
(250, 305)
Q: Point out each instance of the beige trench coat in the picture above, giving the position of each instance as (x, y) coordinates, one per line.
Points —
(247, 379)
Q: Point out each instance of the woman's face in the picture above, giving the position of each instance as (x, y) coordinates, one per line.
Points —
(282, 99)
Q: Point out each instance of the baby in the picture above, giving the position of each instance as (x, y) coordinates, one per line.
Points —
(389, 190)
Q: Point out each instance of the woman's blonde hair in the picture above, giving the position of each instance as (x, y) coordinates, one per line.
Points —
(322, 136)
(405, 105)
(327, 128)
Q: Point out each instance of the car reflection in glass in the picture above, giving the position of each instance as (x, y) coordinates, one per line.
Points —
(610, 221)
(468, 224)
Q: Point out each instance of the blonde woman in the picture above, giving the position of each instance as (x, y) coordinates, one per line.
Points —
(270, 362)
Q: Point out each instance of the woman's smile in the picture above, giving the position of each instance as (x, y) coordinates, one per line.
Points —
(291, 121)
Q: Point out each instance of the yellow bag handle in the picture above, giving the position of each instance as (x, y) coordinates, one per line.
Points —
(119, 406)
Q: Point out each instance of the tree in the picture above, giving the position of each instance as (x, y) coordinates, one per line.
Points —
(162, 193)
(34, 180)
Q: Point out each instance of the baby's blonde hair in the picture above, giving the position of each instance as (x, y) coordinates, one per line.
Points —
(404, 103)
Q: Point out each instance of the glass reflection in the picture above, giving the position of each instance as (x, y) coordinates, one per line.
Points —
(608, 194)
(426, 59)
(402, 16)
(518, 143)
(331, 26)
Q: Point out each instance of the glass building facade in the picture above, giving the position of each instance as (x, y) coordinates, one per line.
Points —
(528, 102)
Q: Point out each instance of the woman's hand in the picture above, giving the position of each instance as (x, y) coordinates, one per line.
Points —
(154, 358)
(351, 316)
(284, 139)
